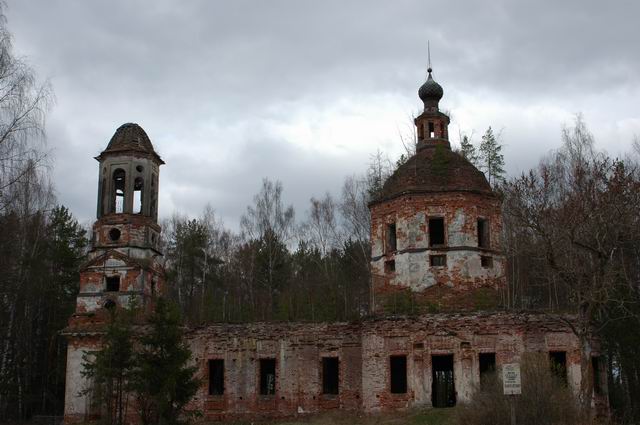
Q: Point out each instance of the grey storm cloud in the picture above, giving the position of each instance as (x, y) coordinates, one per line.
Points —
(304, 91)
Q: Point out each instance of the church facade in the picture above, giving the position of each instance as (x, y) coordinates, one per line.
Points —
(435, 234)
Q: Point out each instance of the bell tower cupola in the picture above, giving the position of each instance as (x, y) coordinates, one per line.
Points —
(127, 207)
(432, 125)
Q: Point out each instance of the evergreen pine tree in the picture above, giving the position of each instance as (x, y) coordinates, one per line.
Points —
(163, 382)
(111, 369)
(492, 160)
(468, 151)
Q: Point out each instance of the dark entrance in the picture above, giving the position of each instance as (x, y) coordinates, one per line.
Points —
(443, 392)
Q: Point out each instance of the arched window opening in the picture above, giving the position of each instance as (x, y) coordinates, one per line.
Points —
(118, 188)
(138, 185)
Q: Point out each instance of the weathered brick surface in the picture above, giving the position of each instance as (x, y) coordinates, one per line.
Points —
(454, 286)
(364, 349)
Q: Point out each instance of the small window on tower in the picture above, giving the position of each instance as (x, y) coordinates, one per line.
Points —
(483, 233)
(437, 260)
(486, 261)
(113, 283)
(391, 237)
(420, 132)
(436, 231)
(119, 179)
(138, 185)
(390, 266)
(432, 131)
(442, 130)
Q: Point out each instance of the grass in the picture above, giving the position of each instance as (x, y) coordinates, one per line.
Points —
(411, 417)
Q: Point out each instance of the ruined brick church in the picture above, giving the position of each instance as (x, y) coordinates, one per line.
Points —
(435, 232)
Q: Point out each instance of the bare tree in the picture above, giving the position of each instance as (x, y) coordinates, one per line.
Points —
(23, 104)
(271, 224)
(578, 216)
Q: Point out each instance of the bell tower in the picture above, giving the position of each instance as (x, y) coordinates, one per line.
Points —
(124, 265)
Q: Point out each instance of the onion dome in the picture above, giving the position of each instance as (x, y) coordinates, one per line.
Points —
(430, 92)
(434, 169)
(130, 137)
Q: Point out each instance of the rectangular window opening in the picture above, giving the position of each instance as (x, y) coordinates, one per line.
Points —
(216, 377)
(597, 383)
(432, 131)
(558, 361)
(267, 376)
(487, 363)
(398, 368)
(443, 392)
(138, 185)
(113, 283)
(437, 260)
(436, 231)
(330, 375)
(486, 261)
(390, 266)
(483, 233)
(391, 237)
(420, 132)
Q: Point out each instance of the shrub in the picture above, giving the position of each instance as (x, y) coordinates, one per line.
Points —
(545, 399)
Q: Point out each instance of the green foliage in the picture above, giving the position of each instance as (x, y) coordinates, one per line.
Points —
(468, 151)
(111, 369)
(485, 298)
(491, 158)
(440, 162)
(39, 260)
(155, 369)
(163, 380)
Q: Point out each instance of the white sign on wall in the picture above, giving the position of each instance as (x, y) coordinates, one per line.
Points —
(511, 379)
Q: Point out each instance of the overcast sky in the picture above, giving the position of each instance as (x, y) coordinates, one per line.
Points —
(306, 91)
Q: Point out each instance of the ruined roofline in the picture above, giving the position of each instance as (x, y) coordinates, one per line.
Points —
(509, 316)
(406, 192)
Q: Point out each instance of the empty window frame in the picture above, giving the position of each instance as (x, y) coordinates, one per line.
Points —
(216, 377)
(390, 266)
(267, 376)
(597, 382)
(487, 366)
(436, 231)
(112, 283)
(438, 260)
(391, 237)
(443, 392)
(432, 131)
(330, 375)
(119, 181)
(138, 186)
(483, 233)
(486, 261)
(398, 374)
(558, 360)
